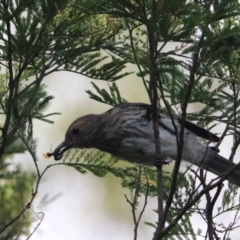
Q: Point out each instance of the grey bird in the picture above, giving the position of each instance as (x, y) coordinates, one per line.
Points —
(126, 131)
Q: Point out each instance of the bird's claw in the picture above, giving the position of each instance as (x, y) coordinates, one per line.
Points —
(162, 161)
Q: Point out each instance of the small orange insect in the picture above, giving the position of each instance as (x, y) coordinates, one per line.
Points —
(47, 155)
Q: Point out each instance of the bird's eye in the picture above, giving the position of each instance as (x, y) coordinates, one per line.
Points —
(75, 131)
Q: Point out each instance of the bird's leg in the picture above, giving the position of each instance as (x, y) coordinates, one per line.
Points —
(163, 160)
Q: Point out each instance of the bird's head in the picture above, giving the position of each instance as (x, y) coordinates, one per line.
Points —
(79, 135)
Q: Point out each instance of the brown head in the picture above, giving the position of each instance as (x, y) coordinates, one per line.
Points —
(80, 134)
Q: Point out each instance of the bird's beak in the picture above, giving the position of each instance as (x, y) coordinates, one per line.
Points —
(58, 152)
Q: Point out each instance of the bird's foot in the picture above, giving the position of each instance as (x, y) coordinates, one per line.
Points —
(159, 161)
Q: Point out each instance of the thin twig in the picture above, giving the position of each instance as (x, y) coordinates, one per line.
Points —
(192, 201)
(31, 153)
(8, 201)
(180, 141)
(136, 59)
(28, 205)
(133, 203)
(10, 83)
(35, 229)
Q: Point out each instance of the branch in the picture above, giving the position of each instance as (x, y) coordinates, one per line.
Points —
(192, 201)
(35, 229)
(136, 60)
(210, 206)
(133, 204)
(10, 83)
(21, 117)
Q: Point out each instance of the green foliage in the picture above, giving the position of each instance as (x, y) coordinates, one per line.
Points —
(59, 37)
(100, 164)
(229, 197)
(16, 186)
(38, 38)
(97, 39)
(113, 98)
(216, 82)
(185, 191)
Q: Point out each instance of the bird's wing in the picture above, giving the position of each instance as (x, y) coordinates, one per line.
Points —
(201, 132)
(166, 122)
(196, 129)
(164, 115)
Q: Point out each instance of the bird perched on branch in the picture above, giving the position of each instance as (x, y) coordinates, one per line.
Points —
(126, 131)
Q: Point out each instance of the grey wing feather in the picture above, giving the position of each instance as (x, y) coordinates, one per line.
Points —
(199, 131)
(196, 129)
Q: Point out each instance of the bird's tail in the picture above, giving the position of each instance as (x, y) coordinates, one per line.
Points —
(220, 166)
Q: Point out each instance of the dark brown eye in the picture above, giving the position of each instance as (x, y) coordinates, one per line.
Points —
(75, 131)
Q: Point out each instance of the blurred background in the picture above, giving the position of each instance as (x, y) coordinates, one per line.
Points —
(84, 206)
